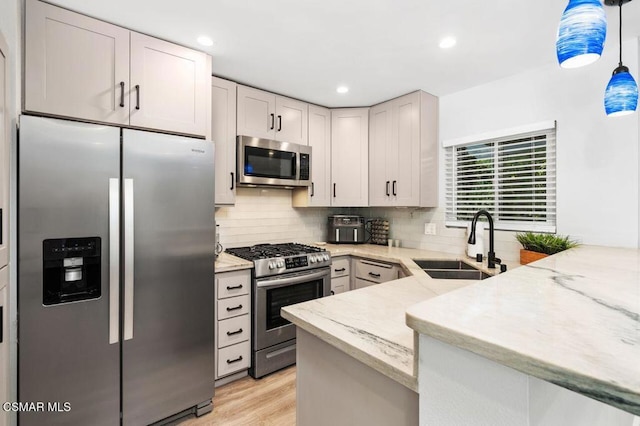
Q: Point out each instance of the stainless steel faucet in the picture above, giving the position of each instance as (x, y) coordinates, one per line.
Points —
(492, 259)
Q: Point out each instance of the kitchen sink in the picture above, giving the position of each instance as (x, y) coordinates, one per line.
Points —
(450, 269)
(457, 274)
(443, 264)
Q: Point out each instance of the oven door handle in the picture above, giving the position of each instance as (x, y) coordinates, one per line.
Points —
(281, 282)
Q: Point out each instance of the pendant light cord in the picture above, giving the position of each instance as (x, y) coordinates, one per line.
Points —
(620, 63)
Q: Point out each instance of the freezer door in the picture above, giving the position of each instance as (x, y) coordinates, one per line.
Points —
(168, 242)
(64, 350)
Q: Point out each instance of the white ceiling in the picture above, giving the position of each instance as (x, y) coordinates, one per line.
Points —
(379, 48)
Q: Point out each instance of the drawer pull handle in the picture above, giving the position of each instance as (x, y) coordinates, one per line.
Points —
(234, 287)
(231, 361)
(232, 333)
(235, 308)
(372, 274)
(340, 270)
(333, 292)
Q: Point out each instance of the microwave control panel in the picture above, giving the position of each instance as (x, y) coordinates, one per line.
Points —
(304, 166)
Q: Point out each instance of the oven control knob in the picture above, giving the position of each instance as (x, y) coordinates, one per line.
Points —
(325, 257)
(272, 265)
(280, 264)
(312, 259)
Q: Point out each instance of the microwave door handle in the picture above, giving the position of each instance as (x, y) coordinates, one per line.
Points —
(299, 279)
(296, 160)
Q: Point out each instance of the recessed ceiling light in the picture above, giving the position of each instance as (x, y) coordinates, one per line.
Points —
(205, 41)
(447, 42)
(342, 89)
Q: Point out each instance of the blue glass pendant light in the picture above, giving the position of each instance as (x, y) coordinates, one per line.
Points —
(581, 34)
(621, 96)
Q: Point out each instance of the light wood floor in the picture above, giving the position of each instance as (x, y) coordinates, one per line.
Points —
(270, 401)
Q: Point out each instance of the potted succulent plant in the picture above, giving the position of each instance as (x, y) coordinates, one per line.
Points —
(536, 246)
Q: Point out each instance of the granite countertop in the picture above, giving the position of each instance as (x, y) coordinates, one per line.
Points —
(572, 319)
(226, 262)
(369, 324)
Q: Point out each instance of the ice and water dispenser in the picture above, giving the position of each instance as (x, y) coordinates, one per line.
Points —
(71, 268)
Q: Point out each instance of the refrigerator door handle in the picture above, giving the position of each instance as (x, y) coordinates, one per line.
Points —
(128, 259)
(114, 260)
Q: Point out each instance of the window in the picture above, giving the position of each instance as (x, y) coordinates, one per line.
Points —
(511, 175)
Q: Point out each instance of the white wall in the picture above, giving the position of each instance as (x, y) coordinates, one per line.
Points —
(597, 157)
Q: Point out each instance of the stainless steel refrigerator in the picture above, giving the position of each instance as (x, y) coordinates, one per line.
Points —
(115, 274)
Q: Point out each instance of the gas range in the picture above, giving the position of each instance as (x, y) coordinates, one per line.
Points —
(276, 259)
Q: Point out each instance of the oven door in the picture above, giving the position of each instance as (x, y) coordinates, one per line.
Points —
(267, 162)
(273, 293)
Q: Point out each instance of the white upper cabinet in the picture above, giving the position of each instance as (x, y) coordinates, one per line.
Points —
(403, 169)
(349, 157)
(266, 115)
(256, 113)
(80, 67)
(169, 86)
(4, 161)
(75, 66)
(223, 134)
(319, 193)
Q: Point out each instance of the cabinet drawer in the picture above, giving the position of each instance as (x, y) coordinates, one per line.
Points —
(376, 272)
(360, 283)
(231, 284)
(339, 285)
(234, 358)
(340, 267)
(233, 330)
(233, 307)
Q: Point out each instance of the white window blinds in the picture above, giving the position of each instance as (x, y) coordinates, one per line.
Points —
(512, 177)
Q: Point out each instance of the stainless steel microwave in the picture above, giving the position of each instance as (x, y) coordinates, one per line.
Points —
(267, 162)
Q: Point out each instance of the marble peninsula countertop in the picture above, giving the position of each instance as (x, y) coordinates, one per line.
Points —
(369, 324)
(572, 319)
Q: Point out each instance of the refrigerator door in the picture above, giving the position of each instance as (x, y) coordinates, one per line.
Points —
(168, 287)
(64, 350)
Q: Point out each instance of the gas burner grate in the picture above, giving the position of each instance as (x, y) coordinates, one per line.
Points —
(268, 251)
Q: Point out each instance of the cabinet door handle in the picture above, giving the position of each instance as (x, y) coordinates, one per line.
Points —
(340, 270)
(279, 123)
(374, 275)
(122, 94)
(273, 121)
(137, 96)
(394, 188)
(388, 188)
(333, 292)
(234, 287)
(313, 191)
(231, 361)
(235, 308)
(233, 181)
(232, 333)
(1, 324)
(334, 190)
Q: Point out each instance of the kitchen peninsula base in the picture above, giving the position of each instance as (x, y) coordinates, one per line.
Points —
(334, 388)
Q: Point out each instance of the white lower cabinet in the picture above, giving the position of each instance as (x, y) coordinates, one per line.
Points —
(232, 322)
(340, 274)
(370, 272)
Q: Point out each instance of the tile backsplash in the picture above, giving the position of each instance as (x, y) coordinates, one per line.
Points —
(263, 215)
